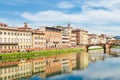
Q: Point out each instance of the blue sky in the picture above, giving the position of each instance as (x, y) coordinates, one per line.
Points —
(96, 16)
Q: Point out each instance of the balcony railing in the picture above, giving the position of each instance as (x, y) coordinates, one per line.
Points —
(9, 43)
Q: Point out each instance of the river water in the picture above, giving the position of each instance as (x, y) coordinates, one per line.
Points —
(94, 65)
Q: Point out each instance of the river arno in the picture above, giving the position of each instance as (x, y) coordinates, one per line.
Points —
(75, 66)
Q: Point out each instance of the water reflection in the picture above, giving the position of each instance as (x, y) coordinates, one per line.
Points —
(74, 66)
(82, 60)
(115, 51)
(95, 55)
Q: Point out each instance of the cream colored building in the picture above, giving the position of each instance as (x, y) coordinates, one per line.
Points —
(12, 38)
(93, 39)
(73, 39)
(38, 39)
(81, 36)
(68, 37)
(66, 33)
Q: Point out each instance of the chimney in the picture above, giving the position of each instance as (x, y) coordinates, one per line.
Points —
(25, 24)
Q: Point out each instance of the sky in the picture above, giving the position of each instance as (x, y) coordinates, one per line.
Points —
(95, 16)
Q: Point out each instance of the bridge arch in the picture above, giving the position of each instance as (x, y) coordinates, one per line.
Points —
(90, 45)
(106, 47)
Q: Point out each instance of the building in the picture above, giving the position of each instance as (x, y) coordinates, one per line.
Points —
(73, 39)
(68, 37)
(15, 39)
(65, 40)
(102, 39)
(53, 37)
(66, 34)
(38, 39)
(81, 36)
(93, 39)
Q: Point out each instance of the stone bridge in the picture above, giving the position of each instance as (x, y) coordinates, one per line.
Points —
(106, 47)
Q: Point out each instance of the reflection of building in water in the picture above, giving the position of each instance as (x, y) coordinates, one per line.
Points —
(38, 65)
(53, 65)
(82, 60)
(41, 74)
(68, 63)
(95, 55)
(23, 69)
(73, 61)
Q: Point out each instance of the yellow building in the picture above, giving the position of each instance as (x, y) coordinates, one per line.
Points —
(15, 39)
(81, 36)
(38, 39)
(53, 37)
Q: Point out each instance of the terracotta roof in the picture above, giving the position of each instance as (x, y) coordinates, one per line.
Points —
(38, 31)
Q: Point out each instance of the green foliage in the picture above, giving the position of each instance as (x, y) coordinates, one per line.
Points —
(30, 55)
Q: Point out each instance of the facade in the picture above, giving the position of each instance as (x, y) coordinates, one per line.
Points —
(73, 39)
(38, 39)
(93, 39)
(81, 36)
(66, 33)
(53, 37)
(13, 39)
(102, 39)
(65, 40)
(68, 37)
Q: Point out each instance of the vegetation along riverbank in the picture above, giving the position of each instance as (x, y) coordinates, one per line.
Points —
(30, 55)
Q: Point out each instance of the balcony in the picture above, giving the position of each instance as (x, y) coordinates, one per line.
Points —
(9, 43)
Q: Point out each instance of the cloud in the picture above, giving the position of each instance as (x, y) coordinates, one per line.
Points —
(97, 16)
(65, 5)
(15, 2)
(53, 16)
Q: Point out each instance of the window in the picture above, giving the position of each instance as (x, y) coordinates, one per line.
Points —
(0, 40)
(4, 33)
(5, 40)
(8, 33)
(0, 33)
(9, 40)
(15, 33)
(12, 33)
